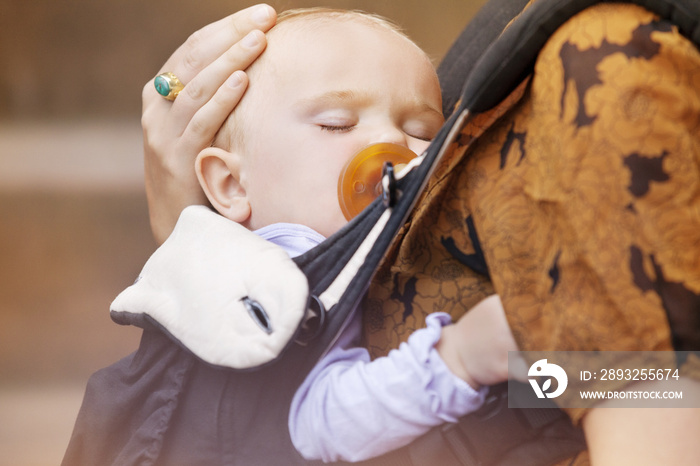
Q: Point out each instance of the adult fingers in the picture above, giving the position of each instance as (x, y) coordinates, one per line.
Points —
(211, 116)
(207, 44)
(214, 52)
(212, 79)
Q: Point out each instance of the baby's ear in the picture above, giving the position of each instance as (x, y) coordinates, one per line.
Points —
(218, 172)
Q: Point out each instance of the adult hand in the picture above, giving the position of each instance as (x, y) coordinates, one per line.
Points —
(210, 64)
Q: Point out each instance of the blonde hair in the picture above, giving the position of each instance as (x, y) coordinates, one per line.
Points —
(339, 14)
(234, 128)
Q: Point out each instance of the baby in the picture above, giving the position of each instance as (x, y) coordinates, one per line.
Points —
(329, 84)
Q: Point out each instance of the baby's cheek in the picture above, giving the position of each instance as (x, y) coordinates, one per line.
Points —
(418, 146)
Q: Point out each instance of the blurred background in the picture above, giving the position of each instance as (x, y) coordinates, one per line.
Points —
(73, 217)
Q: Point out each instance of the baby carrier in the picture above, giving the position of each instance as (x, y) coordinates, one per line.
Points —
(199, 392)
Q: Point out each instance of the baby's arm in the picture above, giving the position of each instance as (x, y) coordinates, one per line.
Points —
(352, 409)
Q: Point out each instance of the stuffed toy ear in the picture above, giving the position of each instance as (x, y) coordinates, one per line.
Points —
(230, 297)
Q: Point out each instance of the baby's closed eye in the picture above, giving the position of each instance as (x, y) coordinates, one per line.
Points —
(337, 128)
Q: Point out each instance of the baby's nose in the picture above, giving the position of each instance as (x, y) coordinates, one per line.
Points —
(393, 135)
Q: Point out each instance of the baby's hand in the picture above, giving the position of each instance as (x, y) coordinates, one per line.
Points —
(476, 347)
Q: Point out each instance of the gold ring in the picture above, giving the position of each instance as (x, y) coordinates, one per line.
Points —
(168, 85)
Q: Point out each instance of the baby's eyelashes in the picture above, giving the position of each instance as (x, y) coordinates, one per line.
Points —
(423, 129)
(337, 128)
(422, 137)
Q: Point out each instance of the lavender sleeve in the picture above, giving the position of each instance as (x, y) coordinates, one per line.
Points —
(350, 408)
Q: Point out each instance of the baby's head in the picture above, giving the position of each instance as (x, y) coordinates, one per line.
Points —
(329, 84)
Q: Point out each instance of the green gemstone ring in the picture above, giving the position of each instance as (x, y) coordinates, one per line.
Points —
(168, 85)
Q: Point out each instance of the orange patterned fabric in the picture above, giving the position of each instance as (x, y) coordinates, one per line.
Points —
(584, 191)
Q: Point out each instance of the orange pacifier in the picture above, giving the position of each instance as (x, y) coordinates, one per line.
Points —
(360, 180)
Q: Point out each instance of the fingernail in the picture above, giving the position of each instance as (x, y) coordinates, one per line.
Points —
(251, 40)
(262, 15)
(234, 80)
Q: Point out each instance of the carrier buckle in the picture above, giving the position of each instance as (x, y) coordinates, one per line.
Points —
(389, 194)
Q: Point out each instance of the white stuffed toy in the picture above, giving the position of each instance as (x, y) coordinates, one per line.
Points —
(230, 297)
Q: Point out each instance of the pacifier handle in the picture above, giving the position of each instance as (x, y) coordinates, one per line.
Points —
(360, 181)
